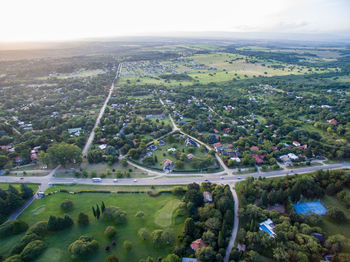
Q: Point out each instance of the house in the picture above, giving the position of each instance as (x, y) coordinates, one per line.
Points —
(161, 143)
(188, 259)
(274, 148)
(161, 116)
(296, 143)
(328, 257)
(134, 142)
(293, 156)
(318, 236)
(237, 159)
(207, 197)
(152, 148)
(75, 131)
(227, 130)
(303, 146)
(259, 159)
(268, 226)
(285, 159)
(102, 147)
(218, 146)
(191, 142)
(213, 139)
(18, 160)
(171, 149)
(216, 131)
(197, 244)
(189, 156)
(333, 121)
(168, 165)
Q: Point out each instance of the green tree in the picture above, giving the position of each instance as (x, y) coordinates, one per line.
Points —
(83, 219)
(127, 245)
(112, 258)
(64, 154)
(206, 254)
(67, 205)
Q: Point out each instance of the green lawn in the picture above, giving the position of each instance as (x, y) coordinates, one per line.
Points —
(153, 208)
(18, 185)
(116, 188)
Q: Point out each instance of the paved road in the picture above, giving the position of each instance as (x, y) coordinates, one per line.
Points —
(44, 184)
(92, 134)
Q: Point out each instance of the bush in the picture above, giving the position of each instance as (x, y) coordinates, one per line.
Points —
(59, 223)
(110, 231)
(83, 246)
(67, 205)
(140, 214)
(112, 258)
(12, 227)
(25, 240)
(115, 214)
(39, 228)
(127, 245)
(33, 250)
(83, 219)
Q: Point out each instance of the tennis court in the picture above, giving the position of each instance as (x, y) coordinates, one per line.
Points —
(310, 207)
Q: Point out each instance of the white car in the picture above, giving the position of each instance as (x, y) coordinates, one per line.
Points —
(115, 180)
(135, 180)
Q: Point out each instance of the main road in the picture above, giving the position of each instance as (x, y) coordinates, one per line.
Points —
(92, 134)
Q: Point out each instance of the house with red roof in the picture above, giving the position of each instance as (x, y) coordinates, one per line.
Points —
(333, 121)
(227, 130)
(197, 244)
(216, 131)
(259, 159)
(296, 143)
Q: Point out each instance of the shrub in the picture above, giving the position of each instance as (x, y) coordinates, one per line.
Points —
(140, 214)
(67, 205)
(112, 258)
(127, 245)
(25, 240)
(143, 233)
(59, 223)
(33, 250)
(115, 214)
(12, 227)
(83, 246)
(110, 231)
(83, 219)
(39, 228)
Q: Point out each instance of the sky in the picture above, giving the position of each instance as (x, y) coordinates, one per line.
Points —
(51, 20)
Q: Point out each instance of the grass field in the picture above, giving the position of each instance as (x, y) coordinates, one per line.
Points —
(18, 185)
(116, 188)
(154, 208)
(222, 67)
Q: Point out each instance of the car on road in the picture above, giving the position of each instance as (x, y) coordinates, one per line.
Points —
(115, 180)
(21, 178)
(96, 180)
(239, 178)
(135, 180)
(206, 180)
(221, 177)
